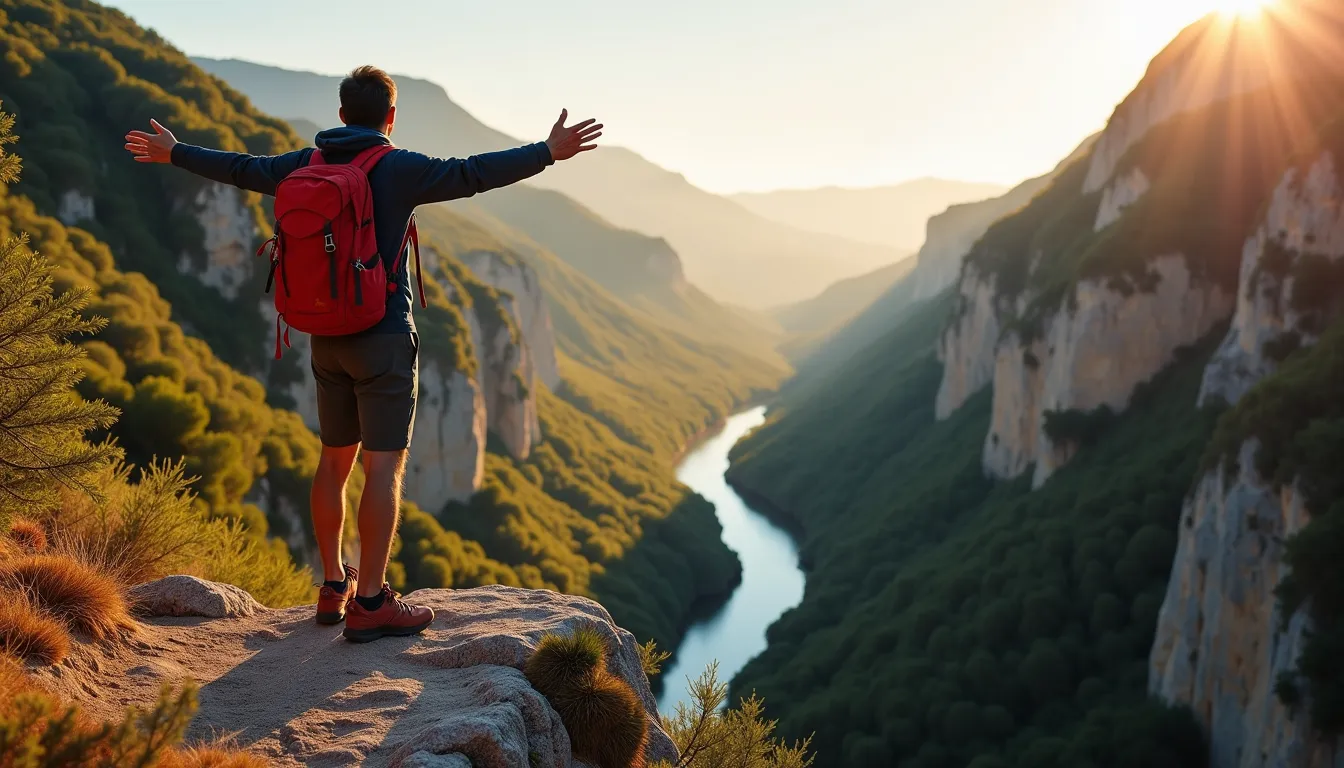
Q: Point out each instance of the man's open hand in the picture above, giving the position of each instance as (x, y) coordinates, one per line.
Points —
(565, 143)
(154, 147)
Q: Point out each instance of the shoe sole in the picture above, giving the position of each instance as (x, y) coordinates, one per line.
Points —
(330, 618)
(369, 635)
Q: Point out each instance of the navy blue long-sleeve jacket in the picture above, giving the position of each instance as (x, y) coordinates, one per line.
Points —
(399, 182)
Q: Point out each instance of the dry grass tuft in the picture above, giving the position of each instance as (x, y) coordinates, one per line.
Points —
(28, 634)
(84, 599)
(28, 535)
(212, 756)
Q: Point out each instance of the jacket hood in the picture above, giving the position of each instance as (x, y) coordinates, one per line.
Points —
(348, 140)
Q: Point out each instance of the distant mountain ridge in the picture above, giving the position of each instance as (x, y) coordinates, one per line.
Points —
(731, 253)
(892, 215)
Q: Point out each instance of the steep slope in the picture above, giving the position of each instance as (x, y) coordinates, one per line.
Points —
(729, 252)
(893, 216)
(560, 499)
(951, 234)
(1013, 544)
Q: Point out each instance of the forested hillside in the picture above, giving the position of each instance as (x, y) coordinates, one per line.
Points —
(1036, 533)
(592, 506)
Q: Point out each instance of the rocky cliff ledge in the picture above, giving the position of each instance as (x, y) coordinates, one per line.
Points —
(1092, 352)
(1305, 221)
(1221, 640)
(297, 694)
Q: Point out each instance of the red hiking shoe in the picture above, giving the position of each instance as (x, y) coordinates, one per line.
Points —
(331, 605)
(392, 619)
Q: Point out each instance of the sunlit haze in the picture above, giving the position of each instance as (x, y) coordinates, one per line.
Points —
(747, 95)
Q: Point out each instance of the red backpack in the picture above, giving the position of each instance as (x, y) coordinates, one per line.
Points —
(328, 276)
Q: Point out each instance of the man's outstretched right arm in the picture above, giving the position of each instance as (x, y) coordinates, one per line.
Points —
(250, 172)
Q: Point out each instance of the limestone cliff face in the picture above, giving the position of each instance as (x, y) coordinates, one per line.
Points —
(1305, 218)
(966, 348)
(447, 460)
(74, 207)
(1093, 352)
(230, 237)
(505, 375)
(529, 307)
(948, 238)
(1221, 642)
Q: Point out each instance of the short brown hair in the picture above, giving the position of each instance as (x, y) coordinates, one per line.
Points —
(367, 93)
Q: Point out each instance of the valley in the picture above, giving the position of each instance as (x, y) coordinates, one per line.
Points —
(948, 474)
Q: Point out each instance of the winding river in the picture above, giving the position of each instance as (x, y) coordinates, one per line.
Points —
(771, 579)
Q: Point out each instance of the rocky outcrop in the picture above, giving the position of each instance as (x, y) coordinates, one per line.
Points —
(966, 348)
(529, 306)
(1092, 352)
(1305, 218)
(1221, 642)
(74, 207)
(447, 458)
(1119, 195)
(505, 376)
(291, 691)
(225, 261)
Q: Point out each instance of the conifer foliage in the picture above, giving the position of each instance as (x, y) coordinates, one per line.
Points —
(42, 424)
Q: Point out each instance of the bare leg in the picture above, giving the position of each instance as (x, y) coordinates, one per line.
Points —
(327, 503)
(378, 508)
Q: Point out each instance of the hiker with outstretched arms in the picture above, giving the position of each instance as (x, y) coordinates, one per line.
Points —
(340, 270)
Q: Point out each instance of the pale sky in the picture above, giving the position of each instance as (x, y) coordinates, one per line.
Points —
(738, 94)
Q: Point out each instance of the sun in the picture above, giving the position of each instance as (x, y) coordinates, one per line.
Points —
(1243, 8)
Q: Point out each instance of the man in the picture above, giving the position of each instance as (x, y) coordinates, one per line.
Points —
(366, 383)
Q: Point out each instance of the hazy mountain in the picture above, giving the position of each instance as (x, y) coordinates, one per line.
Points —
(730, 252)
(841, 301)
(891, 215)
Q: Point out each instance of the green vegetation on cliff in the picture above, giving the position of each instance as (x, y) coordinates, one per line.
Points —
(952, 621)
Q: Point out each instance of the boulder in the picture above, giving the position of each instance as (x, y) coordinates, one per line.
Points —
(190, 596)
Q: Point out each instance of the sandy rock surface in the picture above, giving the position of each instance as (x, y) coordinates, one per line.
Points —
(299, 694)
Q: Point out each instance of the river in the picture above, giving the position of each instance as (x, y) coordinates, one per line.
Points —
(772, 582)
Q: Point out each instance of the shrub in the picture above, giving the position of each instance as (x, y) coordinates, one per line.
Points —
(27, 534)
(221, 756)
(708, 736)
(82, 598)
(604, 717)
(559, 660)
(28, 634)
(38, 730)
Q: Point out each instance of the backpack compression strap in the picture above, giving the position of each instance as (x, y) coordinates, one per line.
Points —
(411, 238)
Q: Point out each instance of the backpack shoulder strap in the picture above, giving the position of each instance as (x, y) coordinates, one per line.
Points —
(315, 158)
(365, 160)
(411, 238)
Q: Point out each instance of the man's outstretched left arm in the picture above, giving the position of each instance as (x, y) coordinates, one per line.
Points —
(250, 172)
(439, 179)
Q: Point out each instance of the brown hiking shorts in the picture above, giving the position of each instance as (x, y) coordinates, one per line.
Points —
(366, 388)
